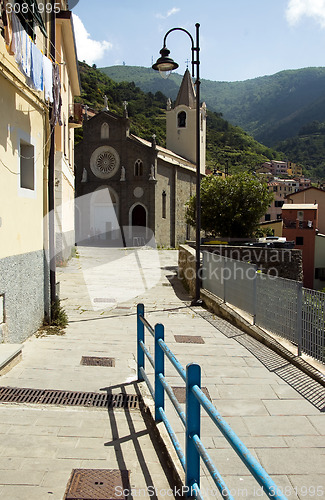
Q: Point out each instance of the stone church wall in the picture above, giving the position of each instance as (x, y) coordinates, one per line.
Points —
(165, 183)
(171, 187)
(186, 182)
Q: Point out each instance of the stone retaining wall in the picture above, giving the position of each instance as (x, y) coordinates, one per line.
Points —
(186, 267)
(281, 262)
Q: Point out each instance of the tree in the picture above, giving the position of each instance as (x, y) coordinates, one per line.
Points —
(230, 207)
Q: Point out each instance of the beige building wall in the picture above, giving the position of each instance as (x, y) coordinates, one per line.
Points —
(312, 195)
(21, 209)
(64, 140)
(24, 136)
(24, 154)
(275, 226)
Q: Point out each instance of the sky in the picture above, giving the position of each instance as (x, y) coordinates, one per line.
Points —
(239, 39)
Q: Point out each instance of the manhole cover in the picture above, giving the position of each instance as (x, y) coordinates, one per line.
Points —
(180, 393)
(189, 339)
(98, 484)
(97, 361)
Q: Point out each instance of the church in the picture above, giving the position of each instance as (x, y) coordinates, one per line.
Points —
(129, 191)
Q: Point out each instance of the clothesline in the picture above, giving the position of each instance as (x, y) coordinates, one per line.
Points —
(29, 23)
(31, 157)
(50, 42)
(42, 74)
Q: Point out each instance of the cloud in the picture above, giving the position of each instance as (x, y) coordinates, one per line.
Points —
(298, 9)
(88, 50)
(171, 12)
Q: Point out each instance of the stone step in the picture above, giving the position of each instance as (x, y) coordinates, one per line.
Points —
(10, 355)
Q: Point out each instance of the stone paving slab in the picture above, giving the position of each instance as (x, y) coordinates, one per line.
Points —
(8, 352)
(40, 463)
(280, 427)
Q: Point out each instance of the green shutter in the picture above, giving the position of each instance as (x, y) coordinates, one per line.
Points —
(37, 16)
(33, 14)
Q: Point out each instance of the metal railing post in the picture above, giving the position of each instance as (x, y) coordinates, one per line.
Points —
(140, 336)
(223, 277)
(255, 297)
(299, 319)
(193, 423)
(159, 369)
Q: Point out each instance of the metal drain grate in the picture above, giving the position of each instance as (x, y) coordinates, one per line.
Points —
(68, 398)
(98, 484)
(97, 361)
(105, 300)
(189, 339)
(180, 393)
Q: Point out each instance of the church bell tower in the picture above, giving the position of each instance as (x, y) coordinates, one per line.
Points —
(181, 123)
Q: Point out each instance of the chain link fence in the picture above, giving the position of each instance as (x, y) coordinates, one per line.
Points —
(278, 305)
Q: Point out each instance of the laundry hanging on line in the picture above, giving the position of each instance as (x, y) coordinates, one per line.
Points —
(41, 72)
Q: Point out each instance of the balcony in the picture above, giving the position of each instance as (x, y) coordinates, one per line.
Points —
(75, 115)
(298, 224)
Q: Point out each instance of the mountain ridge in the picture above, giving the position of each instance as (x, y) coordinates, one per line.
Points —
(227, 145)
(271, 108)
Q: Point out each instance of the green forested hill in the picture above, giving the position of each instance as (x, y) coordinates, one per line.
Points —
(308, 149)
(145, 110)
(226, 144)
(270, 108)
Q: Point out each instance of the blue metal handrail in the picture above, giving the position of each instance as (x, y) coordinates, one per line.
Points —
(191, 418)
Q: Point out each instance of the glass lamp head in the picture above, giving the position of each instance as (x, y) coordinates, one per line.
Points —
(165, 63)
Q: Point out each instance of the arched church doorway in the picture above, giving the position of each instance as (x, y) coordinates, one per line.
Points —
(139, 216)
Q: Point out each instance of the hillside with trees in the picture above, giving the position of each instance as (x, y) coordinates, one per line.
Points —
(274, 109)
(308, 148)
(226, 144)
(270, 108)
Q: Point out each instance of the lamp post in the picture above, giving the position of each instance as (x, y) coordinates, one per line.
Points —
(166, 63)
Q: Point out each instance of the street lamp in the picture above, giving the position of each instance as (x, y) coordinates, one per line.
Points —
(166, 63)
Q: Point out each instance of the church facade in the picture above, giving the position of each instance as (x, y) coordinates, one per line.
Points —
(129, 190)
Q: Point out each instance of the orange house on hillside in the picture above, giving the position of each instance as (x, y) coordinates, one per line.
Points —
(300, 224)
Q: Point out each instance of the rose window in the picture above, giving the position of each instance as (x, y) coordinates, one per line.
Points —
(106, 162)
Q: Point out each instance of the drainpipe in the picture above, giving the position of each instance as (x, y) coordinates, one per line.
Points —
(51, 184)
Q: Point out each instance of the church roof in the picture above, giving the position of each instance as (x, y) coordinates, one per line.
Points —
(167, 155)
(186, 93)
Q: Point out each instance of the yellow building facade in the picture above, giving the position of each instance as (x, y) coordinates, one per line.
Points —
(25, 140)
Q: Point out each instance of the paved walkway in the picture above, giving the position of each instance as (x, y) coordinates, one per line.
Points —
(40, 445)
